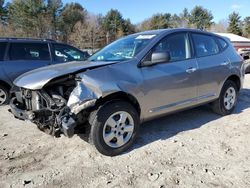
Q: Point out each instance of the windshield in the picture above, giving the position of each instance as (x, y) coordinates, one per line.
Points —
(123, 49)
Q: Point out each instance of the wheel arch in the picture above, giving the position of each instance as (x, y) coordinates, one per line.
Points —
(236, 80)
(120, 95)
(5, 84)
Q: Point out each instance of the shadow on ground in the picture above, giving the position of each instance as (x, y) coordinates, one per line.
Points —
(170, 125)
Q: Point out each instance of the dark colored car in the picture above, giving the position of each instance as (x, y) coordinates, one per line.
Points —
(19, 55)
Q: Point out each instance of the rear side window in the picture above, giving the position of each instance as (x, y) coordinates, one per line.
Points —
(29, 51)
(2, 50)
(205, 45)
(222, 43)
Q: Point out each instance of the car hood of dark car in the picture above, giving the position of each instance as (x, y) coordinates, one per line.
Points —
(36, 79)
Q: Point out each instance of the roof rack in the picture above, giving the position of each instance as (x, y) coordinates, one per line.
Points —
(34, 39)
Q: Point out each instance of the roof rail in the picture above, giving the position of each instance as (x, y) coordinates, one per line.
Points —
(16, 38)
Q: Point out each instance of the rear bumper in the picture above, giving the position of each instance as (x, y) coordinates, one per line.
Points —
(18, 112)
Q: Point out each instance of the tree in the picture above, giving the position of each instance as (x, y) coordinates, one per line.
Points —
(144, 25)
(128, 27)
(29, 16)
(116, 26)
(3, 12)
(234, 24)
(176, 21)
(201, 18)
(157, 21)
(160, 21)
(247, 26)
(220, 27)
(112, 23)
(184, 18)
(54, 8)
(90, 34)
(181, 20)
(71, 14)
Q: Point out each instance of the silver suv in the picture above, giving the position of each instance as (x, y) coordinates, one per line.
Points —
(134, 79)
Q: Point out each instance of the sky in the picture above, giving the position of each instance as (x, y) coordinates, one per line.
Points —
(139, 10)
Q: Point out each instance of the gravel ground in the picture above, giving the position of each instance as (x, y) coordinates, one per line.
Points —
(195, 148)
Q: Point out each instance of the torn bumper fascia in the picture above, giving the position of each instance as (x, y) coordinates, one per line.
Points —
(82, 97)
(19, 113)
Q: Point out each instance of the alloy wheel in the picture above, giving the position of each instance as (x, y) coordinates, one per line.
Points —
(3, 96)
(229, 98)
(118, 129)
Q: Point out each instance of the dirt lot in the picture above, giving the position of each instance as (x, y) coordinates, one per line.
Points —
(195, 148)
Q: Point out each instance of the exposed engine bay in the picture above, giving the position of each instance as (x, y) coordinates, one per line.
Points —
(47, 107)
(56, 98)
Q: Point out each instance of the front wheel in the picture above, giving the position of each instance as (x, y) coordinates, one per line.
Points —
(226, 103)
(114, 127)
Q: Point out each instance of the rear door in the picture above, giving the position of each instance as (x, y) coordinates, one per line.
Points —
(25, 56)
(213, 65)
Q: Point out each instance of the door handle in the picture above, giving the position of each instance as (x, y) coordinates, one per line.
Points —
(224, 63)
(191, 70)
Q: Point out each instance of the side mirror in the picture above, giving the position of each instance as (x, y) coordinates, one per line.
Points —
(155, 58)
(160, 57)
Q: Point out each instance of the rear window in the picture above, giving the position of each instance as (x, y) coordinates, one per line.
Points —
(29, 51)
(205, 45)
(2, 50)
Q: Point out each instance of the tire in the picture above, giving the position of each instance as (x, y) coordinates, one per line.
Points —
(107, 126)
(4, 96)
(247, 69)
(221, 106)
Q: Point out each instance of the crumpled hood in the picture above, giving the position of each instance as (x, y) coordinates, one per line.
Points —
(37, 78)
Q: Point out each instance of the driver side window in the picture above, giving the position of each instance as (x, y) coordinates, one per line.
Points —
(176, 45)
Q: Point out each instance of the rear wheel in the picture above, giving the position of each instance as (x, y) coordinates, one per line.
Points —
(4, 95)
(114, 127)
(227, 100)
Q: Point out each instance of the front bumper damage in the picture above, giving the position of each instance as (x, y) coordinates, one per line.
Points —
(82, 98)
(66, 126)
(44, 114)
(18, 112)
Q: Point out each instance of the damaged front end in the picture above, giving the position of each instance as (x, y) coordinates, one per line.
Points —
(55, 108)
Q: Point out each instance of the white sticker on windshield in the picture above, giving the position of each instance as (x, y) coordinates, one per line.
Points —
(145, 37)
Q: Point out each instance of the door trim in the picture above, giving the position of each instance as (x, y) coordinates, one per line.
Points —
(181, 103)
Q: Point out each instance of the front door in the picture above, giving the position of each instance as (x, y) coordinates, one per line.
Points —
(171, 85)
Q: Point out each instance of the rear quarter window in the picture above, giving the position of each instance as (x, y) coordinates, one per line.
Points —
(223, 44)
(2, 50)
